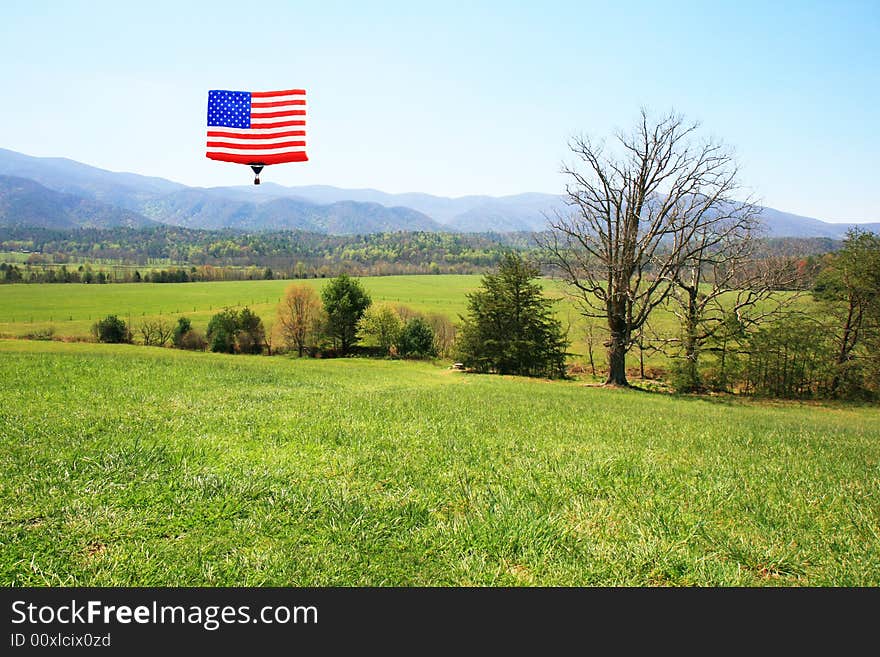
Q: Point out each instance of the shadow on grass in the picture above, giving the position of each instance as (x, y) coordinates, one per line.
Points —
(733, 399)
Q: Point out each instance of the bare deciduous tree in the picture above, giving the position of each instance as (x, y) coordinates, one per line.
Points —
(444, 333)
(298, 316)
(590, 338)
(156, 333)
(725, 282)
(635, 214)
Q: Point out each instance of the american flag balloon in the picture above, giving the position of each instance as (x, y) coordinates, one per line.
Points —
(257, 127)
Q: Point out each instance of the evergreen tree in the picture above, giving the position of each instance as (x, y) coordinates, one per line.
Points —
(111, 329)
(345, 301)
(251, 334)
(510, 327)
(416, 340)
(222, 331)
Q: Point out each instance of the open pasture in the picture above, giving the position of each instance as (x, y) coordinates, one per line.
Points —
(73, 308)
(127, 465)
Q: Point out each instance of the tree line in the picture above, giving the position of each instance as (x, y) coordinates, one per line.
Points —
(290, 254)
(173, 254)
(104, 274)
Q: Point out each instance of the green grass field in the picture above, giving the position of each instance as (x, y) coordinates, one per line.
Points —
(73, 308)
(127, 465)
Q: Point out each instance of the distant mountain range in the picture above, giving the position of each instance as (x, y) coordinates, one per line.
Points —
(62, 193)
(24, 202)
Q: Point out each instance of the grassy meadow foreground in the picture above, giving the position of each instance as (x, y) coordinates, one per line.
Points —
(127, 465)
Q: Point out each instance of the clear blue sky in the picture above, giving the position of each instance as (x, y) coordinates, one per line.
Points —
(455, 98)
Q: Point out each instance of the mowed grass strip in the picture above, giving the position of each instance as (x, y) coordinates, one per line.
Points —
(128, 465)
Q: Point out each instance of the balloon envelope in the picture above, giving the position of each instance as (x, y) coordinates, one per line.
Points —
(257, 127)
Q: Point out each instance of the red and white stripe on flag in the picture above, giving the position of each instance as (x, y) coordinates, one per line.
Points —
(273, 131)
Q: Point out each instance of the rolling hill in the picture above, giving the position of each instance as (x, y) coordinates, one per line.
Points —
(214, 209)
(132, 200)
(24, 202)
(271, 206)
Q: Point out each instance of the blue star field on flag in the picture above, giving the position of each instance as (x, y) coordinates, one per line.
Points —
(231, 109)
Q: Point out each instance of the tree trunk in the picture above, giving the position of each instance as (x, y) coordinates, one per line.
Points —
(843, 353)
(691, 348)
(618, 342)
(616, 360)
(641, 358)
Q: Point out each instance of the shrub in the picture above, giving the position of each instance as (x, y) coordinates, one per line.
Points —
(184, 326)
(111, 329)
(251, 336)
(416, 340)
(444, 331)
(681, 376)
(193, 340)
(230, 331)
(41, 334)
(381, 325)
(185, 336)
(222, 330)
(345, 301)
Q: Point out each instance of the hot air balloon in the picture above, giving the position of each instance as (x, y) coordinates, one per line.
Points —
(257, 128)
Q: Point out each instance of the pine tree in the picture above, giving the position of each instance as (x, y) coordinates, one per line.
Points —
(345, 301)
(510, 327)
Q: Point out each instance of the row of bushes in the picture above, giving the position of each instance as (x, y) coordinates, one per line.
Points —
(333, 326)
(241, 331)
(343, 319)
(113, 329)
